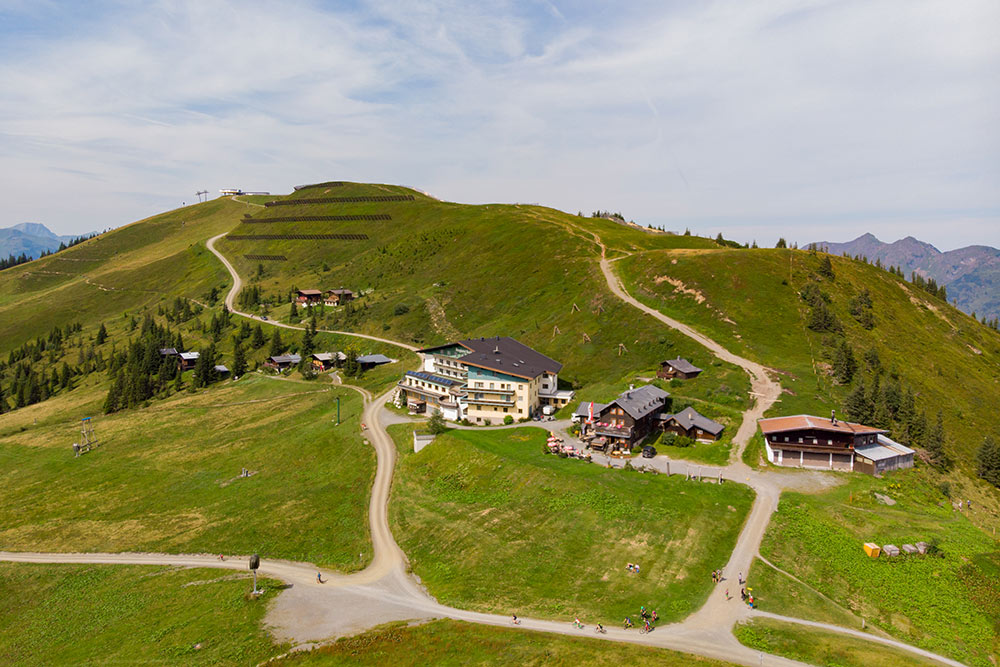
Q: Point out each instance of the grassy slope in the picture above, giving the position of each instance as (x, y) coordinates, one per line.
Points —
(448, 642)
(820, 647)
(165, 477)
(139, 264)
(489, 522)
(469, 271)
(102, 614)
(932, 345)
(942, 604)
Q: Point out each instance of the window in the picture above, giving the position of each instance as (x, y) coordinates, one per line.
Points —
(786, 438)
(829, 442)
(800, 441)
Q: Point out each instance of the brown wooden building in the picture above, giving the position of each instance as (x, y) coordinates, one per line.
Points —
(677, 368)
(807, 441)
(691, 423)
(308, 297)
(337, 297)
(628, 419)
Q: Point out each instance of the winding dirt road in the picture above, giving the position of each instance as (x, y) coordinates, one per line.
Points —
(308, 613)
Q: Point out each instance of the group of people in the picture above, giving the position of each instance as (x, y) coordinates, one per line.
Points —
(747, 597)
(717, 576)
(633, 567)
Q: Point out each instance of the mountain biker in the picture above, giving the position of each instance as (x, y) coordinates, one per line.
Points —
(628, 623)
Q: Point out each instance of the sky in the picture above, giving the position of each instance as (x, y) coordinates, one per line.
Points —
(807, 119)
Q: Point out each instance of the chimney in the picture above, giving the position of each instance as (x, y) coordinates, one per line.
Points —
(833, 417)
(496, 350)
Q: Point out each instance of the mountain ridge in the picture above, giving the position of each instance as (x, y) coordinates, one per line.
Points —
(31, 239)
(971, 274)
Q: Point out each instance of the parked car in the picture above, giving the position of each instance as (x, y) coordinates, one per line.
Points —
(263, 317)
(648, 452)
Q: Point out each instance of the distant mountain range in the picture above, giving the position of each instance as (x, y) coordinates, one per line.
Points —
(31, 238)
(971, 274)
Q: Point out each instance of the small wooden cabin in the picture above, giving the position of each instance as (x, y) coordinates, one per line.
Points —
(308, 297)
(677, 368)
(337, 297)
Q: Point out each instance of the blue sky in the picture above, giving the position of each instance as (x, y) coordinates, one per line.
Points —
(809, 119)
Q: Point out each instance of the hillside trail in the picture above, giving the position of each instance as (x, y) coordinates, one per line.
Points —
(307, 613)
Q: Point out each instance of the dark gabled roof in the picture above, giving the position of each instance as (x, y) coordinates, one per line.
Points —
(436, 379)
(689, 417)
(190, 356)
(682, 365)
(286, 359)
(339, 291)
(374, 359)
(506, 355)
(221, 369)
(583, 409)
(638, 403)
(168, 352)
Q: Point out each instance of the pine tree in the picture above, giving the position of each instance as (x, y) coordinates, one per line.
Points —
(3, 401)
(308, 340)
(277, 347)
(844, 363)
(826, 267)
(782, 243)
(239, 360)
(857, 406)
(102, 335)
(822, 318)
(351, 366)
(293, 313)
(987, 460)
(65, 376)
(934, 444)
(204, 369)
(257, 339)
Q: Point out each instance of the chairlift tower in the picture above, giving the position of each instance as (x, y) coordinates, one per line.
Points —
(88, 437)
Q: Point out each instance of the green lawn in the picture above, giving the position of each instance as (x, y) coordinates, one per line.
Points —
(491, 523)
(166, 477)
(111, 614)
(447, 642)
(821, 647)
(947, 605)
(777, 592)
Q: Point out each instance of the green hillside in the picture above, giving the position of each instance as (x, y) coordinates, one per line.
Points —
(751, 302)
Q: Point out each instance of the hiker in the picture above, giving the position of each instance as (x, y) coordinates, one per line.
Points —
(743, 594)
(968, 504)
(655, 617)
(513, 620)
(727, 594)
(637, 568)
(741, 578)
(319, 578)
(221, 557)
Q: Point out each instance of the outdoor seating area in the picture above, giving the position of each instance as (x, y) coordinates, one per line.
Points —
(557, 446)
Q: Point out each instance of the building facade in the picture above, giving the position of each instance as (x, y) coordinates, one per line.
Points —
(625, 421)
(691, 423)
(807, 441)
(485, 380)
(678, 368)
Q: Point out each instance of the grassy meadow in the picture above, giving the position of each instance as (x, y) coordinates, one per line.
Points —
(748, 300)
(111, 614)
(447, 642)
(166, 477)
(822, 647)
(489, 522)
(945, 604)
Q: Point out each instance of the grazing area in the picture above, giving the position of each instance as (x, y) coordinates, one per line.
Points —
(756, 303)
(492, 523)
(114, 614)
(943, 601)
(167, 477)
(822, 647)
(447, 642)
(777, 592)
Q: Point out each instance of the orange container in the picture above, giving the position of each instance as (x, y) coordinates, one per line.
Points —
(872, 549)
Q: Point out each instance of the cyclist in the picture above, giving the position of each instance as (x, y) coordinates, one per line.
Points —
(514, 621)
(627, 624)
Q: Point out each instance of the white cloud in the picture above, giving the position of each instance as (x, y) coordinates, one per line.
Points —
(756, 119)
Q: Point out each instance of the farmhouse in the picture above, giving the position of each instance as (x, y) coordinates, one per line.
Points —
(370, 361)
(832, 444)
(187, 360)
(282, 361)
(625, 421)
(689, 422)
(324, 361)
(336, 297)
(495, 377)
(677, 368)
(308, 297)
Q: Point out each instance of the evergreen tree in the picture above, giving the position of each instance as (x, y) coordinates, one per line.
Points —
(826, 267)
(987, 460)
(277, 347)
(257, 339)
(293, 313)
(308, 341)
(351, 366)
(102, 335)
(113, 401)
(844, 363)
(65, 377)
(239, 360)
(3, 401)
(872, 361)
(934, 444)
(857, 406)
(782, 243)
(917, 428)
(822, 318)
(178, 382)
(436, 423)
(204, 369)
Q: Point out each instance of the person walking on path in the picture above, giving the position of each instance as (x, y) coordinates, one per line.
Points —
(319, 578)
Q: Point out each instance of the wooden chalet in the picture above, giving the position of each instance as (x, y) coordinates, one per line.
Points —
(691, 423)
(625, 421)
(324, 361)
(369, 361)
(221, 371)
(807, 441)
(337, 297)
(282, 362)
(308, 297)
(677, 368)
(187, 360)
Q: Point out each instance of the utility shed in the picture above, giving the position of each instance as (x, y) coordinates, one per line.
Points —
(882, 456)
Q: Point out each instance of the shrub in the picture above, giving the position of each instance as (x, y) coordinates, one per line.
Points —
(683, 441)
(945, 488)
(508, 420)
(436, 424)
(401, 309)
(668, 438)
